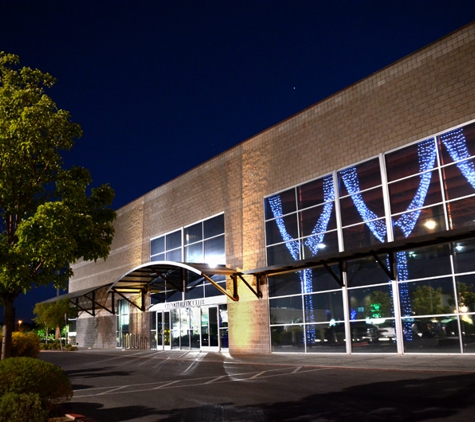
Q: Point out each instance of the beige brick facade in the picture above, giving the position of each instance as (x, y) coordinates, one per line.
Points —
(425, 93)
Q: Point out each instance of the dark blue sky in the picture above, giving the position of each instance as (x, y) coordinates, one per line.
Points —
(160, 86)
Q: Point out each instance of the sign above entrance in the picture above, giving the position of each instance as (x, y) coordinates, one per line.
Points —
(185, 304)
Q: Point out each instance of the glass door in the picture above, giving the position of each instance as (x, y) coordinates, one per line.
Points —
(195, 328)
(209, 328)
(160, 330)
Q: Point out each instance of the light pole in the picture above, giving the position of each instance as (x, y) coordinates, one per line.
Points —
(19, 324)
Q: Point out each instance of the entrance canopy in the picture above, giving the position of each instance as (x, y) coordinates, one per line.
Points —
(161, 276)
(155, 277)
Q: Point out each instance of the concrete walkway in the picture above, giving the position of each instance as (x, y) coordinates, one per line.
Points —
(408, 362)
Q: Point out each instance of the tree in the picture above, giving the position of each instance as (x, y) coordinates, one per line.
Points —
(426, 300)
(54, 315)
(379, 305)
(48, 217)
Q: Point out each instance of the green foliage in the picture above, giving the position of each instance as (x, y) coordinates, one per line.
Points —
(425, 300)
(24, 344)
(54, 314)
(22, 408)
(33, 376)
(465, 296)
(379, 304)
(47, 218)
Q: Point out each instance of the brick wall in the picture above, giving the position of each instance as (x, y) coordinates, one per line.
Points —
(418, 96)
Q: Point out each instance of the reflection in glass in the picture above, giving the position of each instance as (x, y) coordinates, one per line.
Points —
(279, 254)
(173, 240)
(309, 217)
(457, 145)
(157, 245)
(371, 338)
(431, 297)
(286, 310)
(403, 192)
(312, 193)
(328, 338)
(463, 256)
(404, 162)
(366, 271)
(461, 213)
(214, 226)
(432, 335)
(325, 307)
(366, 206)
(368, 176)
(362, 235)
(214, 251)
(288, 338)
(194, 253)
(274, 229)
(426, 262)
(174, 255)
(420, 222)
(456, 185)
(465, 294)
(371, 302)
(193, 233)
(287, 201)
(284, 284)
(325, 246)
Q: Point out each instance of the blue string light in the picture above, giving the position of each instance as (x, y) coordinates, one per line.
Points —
(314, 244)
(292, 245)
(456, 145)
(427, 153)
(377, 227)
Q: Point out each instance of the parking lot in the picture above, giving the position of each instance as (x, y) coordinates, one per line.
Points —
(116, 385)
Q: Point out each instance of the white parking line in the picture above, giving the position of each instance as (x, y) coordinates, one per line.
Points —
(113, 390)
(193, 382)
(165, 385)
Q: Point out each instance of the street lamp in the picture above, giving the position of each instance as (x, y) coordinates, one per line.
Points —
(19, 324)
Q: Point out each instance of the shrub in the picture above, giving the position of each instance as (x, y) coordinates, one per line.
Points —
(24, 344)
(27, 375)
(22, 408)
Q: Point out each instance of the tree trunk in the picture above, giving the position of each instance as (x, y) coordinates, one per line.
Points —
(8, 323)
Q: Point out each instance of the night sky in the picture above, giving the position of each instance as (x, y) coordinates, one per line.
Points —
(160, 86)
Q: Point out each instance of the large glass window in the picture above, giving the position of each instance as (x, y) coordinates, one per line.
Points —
(415, 191)
(362, 205)
(200, 242)
(299, 221)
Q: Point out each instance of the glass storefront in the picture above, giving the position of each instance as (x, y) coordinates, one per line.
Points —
(192, 314)
(421, 189)
(199, 328)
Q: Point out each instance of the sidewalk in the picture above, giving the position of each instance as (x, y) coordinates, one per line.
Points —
(408, 362)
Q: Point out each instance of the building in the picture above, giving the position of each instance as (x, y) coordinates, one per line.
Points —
(347, 228)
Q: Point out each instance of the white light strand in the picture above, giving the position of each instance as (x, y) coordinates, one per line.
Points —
(456, 145)
(377, 227)
(427, 154)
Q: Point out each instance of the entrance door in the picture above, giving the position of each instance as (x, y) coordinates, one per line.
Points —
(209, 328)
(162, 331)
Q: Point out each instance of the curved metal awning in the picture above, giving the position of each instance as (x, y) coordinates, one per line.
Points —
(160, 276)
(155, 277)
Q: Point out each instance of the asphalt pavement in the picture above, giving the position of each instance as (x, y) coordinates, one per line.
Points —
(131, 385)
